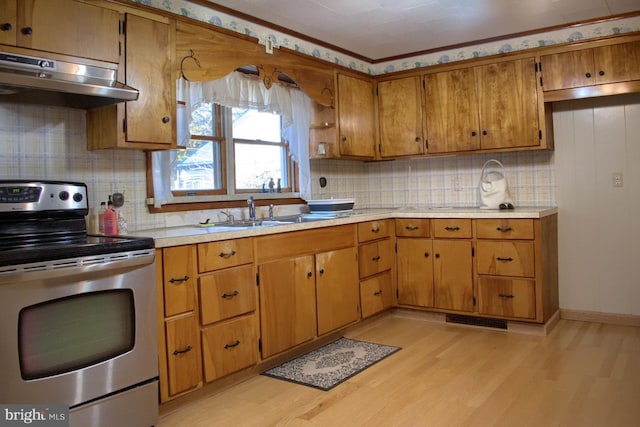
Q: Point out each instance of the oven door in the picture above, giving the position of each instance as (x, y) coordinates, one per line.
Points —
(79, 329)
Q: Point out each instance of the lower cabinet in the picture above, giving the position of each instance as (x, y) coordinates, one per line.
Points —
(507, 297)
(453, 275)
(287, 303)
(183, 354)
(308, 284)
(229, 346)
(376, 294)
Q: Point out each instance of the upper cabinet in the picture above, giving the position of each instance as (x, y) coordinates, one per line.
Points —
(400, 117)
(488, 107)
(356, 121)
(586, 67)
(63, 26)
(149, 122)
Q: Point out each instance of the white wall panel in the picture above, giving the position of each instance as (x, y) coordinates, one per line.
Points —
(598, 224)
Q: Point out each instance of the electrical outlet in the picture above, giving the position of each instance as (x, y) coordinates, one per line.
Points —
(617, 179)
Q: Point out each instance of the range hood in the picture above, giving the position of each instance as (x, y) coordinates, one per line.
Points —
(34, 80)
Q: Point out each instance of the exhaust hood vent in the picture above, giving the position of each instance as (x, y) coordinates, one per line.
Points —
(33, 80)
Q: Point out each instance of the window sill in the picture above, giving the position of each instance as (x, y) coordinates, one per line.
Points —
(191, 203)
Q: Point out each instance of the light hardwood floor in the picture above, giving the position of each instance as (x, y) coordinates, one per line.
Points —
(581, 374)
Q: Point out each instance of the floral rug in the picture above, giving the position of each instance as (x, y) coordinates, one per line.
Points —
(332, 364)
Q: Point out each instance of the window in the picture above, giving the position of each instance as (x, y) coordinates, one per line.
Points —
(231, 151)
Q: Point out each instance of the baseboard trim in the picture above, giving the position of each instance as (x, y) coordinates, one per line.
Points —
(512, 326)
(599, 317)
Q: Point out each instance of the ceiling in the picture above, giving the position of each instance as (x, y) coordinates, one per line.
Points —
(380, 29)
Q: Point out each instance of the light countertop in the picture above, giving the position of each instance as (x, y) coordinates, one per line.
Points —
(194, 233)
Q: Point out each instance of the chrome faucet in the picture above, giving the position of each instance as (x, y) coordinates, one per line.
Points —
(230, 218)
(252, 209)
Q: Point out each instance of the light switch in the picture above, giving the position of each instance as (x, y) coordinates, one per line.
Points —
(617, 179)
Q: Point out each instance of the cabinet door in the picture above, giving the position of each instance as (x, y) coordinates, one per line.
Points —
(8, 22)
(69, 27)
(451, 111)
(453, 275)
(179, 279)
(183, 354)
(567, 70)
(337, 290)
(151, 118)
(415, 272)
(400, 117)
(287, 303)
(356, 117)
(508, 104)
(375, 294)
(617, 63)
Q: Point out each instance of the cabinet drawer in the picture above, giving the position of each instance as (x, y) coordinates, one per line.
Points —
(228, 347)
(183, 354)
(227, 293)
(452, 228)
(506, 258)
(178, 267)
(373, 230)
(375, 257)
(406, 227)
(507, 297)
(223, 254)
(504, 228)
(375, 294)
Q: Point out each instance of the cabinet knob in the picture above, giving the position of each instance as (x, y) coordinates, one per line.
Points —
(6, 26)
(473, 133)
(27, 31)
(485, 132)
(601, 73)
(588, 75)
(166, 119)
(437, 255)
(309, 274)
(322, 271)
(343, 138)
(426, 254)
(418, 139)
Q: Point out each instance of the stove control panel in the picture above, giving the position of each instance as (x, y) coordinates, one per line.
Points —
(42, 196)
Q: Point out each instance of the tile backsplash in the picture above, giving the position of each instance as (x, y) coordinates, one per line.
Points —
(40, 142)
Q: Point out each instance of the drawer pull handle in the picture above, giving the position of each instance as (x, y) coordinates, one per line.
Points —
(235, 344)
(377, 293)
(227, 254)
(505, 259)
(504, 229)
(229, 295)
(452, 228)
(187, 349)
(506, 296)
(375, 230)
(376, 258)
(412, 227)
(180, 280)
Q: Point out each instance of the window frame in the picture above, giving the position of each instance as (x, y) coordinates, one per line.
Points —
(185, 200)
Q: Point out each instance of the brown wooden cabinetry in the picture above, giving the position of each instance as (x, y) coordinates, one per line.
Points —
(356, 122)
(594, 66)
(517, 268)
(308, 283)
(400, 117)
(376, 262)
(148, 122)
(179, 342)
(488, 107)
(414, 254)
(228, 304)
(63, 26)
